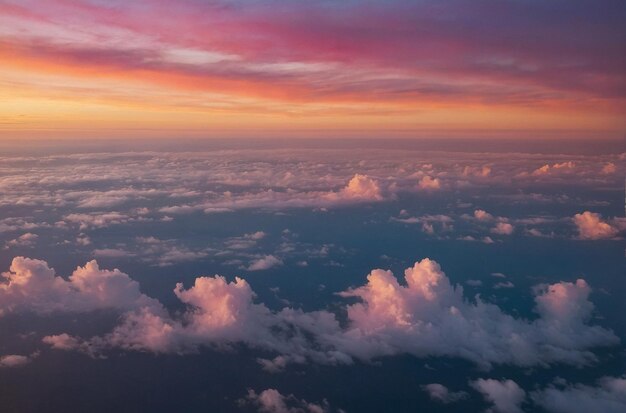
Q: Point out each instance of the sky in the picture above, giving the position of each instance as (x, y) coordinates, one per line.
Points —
(291, 206)
(324, 69)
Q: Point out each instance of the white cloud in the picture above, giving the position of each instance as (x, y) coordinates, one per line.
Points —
(591, 227)
(427, 317)
(609, 396)
(609, 168)
(13, 360)
(483, 215)
(503, 228)
(428, 183)
(32, 286)
(362, 187)
(24, 240)
(272, 401)
(442, 394)
(506, 396)
(264, 263)
(430, 317)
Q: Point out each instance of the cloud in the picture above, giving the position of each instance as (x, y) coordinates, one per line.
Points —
(110, 253)
(506, 396)
(428, 183)
(427, 317)
(609, 168)
(442, 394)
(591, 227)
(477, 171)
(557, 167)
(98, 220)
(503, 228)
(272, 401)
(264, 263)
(13, 360)
(24, 240)
(33, 286)
(255, 235)
(483, 215)
(609, 396)
(362, 187)
(430, 223)
(62, 342)
(506, 284)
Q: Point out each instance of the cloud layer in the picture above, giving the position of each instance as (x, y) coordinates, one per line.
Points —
(426, 316)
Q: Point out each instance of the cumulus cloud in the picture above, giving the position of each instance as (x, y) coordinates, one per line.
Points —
(272, 401)
(608, 396)
(442, 394)
(483, 215)
(477, 171)
(13, 360)
(24, 240)
(505, 395)
(503, 228)
(362, 187)
(591, 227)
(428, 183)
(31, 285)
(426, 317)
(609, 168)
(430, 223)
(99, 220)
(429, 316)
(264, 263)
(557, 167)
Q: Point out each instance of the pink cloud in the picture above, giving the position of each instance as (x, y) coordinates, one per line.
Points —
(428, 183)
(591, 227)
(426, 317)
(32, 286)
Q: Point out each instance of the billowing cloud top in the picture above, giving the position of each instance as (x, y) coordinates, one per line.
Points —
(426, 317)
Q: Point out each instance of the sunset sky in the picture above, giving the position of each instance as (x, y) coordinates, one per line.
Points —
(120, 69)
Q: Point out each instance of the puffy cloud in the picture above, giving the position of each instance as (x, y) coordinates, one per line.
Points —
(483, 215)
(429, 222)
(506, 396)
(428, 183)
(33, 286)
(503, 228)
(429, 317)
(13, 360)
(442, 394)
(609, 396)
(426, 317)
(609, 168)
(264, 263)
(255, 235)
(590, 226)
(272, 401)
(362, 187)
(62, 342)
(478, 171)
(98, 220)
(557, 167)
(24, 240)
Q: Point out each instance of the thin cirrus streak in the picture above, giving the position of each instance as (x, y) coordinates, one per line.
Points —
(298, 68)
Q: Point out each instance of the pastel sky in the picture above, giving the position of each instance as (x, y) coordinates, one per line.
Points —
(192, 68)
